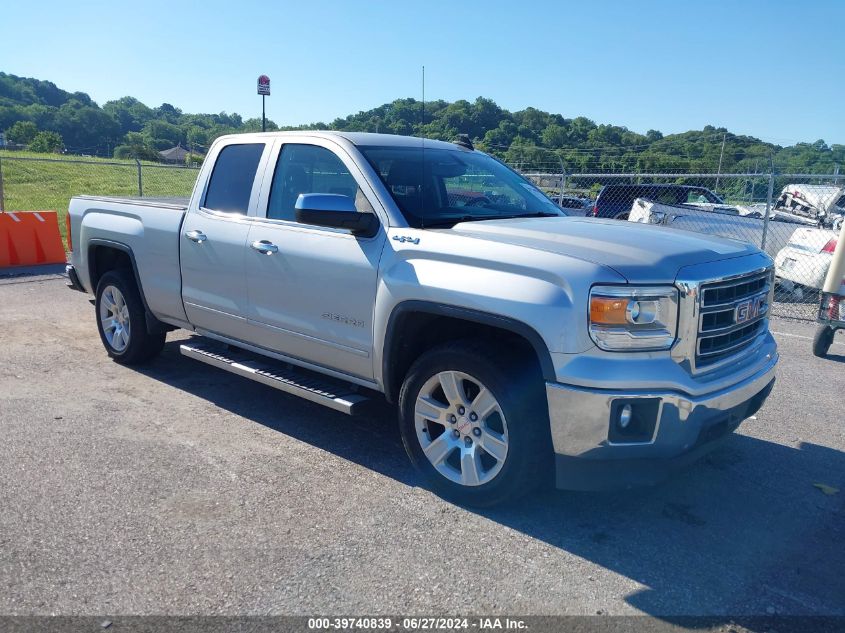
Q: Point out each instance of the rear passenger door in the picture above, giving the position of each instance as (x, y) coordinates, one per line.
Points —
(213, 240)
(312, 299)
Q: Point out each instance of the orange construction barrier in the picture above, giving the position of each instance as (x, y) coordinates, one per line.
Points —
(28, 238)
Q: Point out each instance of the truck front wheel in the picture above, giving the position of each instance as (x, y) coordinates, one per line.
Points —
(476, 424)
(121, 322)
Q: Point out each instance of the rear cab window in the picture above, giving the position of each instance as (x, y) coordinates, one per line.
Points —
(230, 185)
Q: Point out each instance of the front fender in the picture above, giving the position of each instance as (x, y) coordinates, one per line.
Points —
(541, 293)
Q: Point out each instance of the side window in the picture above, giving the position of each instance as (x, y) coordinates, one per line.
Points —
(231, 180)
(666, 196)
(697, 195)
(310, 169)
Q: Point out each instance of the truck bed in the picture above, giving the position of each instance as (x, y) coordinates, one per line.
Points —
(149, 228)
(177, 204)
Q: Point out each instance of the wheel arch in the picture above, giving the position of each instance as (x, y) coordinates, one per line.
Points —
(106, 255)
(414, 326)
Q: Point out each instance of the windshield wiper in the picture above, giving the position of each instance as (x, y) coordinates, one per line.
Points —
(450, 221)
(538, 214)
(481, 218)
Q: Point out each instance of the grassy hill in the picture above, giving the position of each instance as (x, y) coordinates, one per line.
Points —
(532, 138)
(48, 185)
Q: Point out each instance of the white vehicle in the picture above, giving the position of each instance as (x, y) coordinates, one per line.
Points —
(824, 204)
(806, 258)
(514, 340)
(722, 220)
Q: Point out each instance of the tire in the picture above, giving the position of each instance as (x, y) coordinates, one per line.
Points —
(121, 320)
(823, 340)
(622, 216)
(512, 422)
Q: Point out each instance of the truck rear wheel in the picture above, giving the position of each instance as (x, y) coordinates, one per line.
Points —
(475, 424)
(121, 320)
(823, 340)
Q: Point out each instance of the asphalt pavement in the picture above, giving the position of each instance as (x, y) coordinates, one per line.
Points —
(179, 489)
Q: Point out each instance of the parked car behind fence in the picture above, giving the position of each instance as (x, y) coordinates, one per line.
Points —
(614, 201)
(823, 204)
(721, 220)
(806, 258)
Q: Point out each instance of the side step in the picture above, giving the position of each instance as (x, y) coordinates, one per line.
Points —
(324, 390)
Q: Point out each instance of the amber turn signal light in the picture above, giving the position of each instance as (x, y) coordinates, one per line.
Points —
(608, 310)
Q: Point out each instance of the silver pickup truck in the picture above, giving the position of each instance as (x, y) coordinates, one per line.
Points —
(516, 342)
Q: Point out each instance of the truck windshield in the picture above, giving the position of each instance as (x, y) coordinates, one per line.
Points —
(441, 187)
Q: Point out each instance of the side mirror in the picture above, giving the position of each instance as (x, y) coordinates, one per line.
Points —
(334, 211)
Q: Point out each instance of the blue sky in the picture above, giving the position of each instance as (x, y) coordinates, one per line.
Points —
(770, 69)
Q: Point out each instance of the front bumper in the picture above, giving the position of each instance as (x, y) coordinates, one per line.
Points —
(591, 455)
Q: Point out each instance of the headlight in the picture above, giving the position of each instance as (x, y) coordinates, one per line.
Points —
(657, 217)
(631, 318)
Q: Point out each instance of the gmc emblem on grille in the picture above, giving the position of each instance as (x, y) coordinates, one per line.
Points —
(748, 310)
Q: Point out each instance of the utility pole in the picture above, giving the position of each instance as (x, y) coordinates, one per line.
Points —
(719, 170)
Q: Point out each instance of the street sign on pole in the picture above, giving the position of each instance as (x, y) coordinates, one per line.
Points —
(264, 91)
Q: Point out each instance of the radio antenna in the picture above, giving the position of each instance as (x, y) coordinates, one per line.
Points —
(423, 95)
(422, 135)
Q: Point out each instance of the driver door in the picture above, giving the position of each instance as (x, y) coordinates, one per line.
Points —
(312, 297)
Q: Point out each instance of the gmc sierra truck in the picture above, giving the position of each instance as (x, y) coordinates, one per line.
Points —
(517, 343)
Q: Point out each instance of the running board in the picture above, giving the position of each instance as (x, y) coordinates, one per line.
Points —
(329, 392)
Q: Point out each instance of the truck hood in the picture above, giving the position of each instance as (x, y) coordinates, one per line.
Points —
(639, 252)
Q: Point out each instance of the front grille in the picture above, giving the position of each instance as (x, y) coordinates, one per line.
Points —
(733, 314)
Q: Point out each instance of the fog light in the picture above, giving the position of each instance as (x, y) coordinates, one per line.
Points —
(625, 416)
(632, 420)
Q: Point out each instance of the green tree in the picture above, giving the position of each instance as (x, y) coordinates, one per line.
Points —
(163, 134)
(22, 132)
(85, 128)
(46, 142)
(197, 136)
(555, 136)
(131, 115)
(136, 145)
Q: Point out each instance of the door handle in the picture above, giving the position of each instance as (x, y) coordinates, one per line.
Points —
(196, 236)
(263, 246)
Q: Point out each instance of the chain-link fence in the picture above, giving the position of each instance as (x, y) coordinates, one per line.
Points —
(795, 218)
(30, 183)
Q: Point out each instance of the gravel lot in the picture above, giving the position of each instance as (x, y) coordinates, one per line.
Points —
(179, 489)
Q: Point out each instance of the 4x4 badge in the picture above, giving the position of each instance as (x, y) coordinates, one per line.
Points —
(405, 238)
